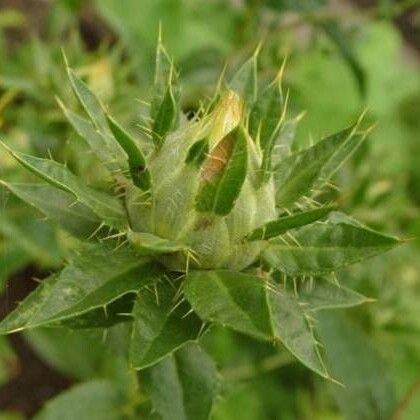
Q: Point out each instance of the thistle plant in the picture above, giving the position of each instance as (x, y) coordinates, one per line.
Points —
(210, 220)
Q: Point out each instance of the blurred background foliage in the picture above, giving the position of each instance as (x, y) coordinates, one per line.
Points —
(343, 58)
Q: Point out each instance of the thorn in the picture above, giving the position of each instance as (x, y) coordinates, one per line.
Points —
(188, 313)
(156, 294)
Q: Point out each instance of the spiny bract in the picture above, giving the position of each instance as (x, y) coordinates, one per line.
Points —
(220, 199)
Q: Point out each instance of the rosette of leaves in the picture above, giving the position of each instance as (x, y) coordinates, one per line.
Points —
(207, 222)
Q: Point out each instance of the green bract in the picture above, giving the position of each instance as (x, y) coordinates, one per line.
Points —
(209, 218)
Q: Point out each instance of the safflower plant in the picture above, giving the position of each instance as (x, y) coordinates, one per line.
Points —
(206, 221)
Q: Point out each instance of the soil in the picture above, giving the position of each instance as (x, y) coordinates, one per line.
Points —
(33, 382)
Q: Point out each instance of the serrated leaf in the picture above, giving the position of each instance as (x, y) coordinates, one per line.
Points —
(95, 279)
(136, 160)
(106, 207)
(324, 294)
(88, 101)
(223, 174)
(164, 74)
(94, 400)
(295, 175)
(160, 327)
(248, 304)
(149, 244)
(166, 117)
(368, 391)
(284, 140)
(265, 123)
(95, 140)
(183, 386)
(58, 206)
(326, 247)
(244, 81)
(286, 223)
(94, 109)
(343, 153)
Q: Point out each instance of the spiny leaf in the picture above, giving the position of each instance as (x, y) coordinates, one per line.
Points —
(94, 109)
(322, 294)
(58, 206)
(166, 117)
(164, 74)
(283, 224)
(160, 327)
(326, 247)
(149, 244)
(244, 82)
(106, 207)
(295, 175)
(342, 154)
(96, 141)
(248, 304)
(223, 174)
(265, 121)
(96, 278)
(184, 386)
(284, 140)
(88, 101)
(136, 160)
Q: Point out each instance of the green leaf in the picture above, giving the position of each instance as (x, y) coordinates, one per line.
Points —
(244, 81)
(250, 305)
(149, 244)
(296, 174)
(166, 117)
(284, 140)
(220, 188)
(160, 327)
(95, 140)
(265, 122)
(136, 160)
(88, 101)
(58, 206)
(324, 294)
(106, 207)
(368, 392)
(94, 109)
(183, 386)
(197, 153)
(96, 279)
(164, 74)
(326, 247)
(94, 400)
(342, 154)
(284, 224)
